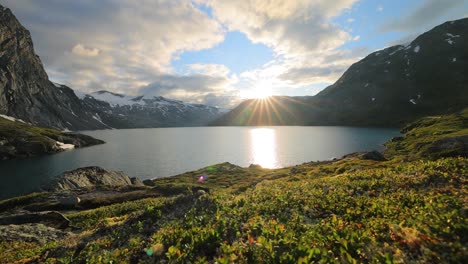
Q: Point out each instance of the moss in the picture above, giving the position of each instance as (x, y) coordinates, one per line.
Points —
(18, 140)
(409, 209)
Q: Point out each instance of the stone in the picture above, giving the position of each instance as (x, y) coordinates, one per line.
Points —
(51, 218)
(373, 155)
(88, 177)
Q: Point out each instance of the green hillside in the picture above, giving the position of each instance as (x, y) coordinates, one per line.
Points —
(410, 208)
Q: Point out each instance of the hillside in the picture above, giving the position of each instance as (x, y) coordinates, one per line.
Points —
(390, 87)
(410, 208)
(20, 140)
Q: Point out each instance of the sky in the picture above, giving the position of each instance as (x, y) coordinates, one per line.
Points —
(218, 52)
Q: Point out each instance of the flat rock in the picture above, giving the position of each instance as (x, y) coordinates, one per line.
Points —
(33, 232)
(52, 219)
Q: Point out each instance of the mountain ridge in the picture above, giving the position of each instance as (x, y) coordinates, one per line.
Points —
(26, 93)
(389, 87)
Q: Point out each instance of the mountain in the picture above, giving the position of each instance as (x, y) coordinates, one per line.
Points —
(25, 90)
(123, 111)
(26, 93)
(387, 88)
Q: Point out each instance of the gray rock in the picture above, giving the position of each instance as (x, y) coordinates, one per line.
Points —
(72, 200)
(51, 219)
(36, 233)
(136, 181)
(448, 147)
(88, 177)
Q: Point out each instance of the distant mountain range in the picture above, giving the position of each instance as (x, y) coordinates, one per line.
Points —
(389, 87)
(27, 93)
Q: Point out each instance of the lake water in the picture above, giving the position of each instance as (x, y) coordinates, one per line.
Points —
(160, 152)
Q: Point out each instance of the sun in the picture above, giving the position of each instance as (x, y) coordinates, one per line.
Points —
(260, 91)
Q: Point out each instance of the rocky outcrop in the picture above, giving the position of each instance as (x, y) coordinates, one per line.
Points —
(25, 89)
(21, 140)
(89, 177)
(448, 147)
(52, 219)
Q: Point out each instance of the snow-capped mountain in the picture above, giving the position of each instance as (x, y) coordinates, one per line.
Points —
(389, 87)
(26, 93)
(123, 111)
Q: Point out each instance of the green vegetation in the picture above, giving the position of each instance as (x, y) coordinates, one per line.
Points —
(19, 140)
(411, 208)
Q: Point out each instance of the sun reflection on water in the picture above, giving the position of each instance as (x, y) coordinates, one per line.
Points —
(263, 147)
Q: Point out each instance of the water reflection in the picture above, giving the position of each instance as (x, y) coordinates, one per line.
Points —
(263, 147)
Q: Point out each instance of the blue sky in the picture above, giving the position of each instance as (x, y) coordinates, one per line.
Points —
(218, 52)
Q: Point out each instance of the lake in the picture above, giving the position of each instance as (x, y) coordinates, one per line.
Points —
(161, 152)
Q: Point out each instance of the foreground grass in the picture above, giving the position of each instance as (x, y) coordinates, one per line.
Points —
(404, 210)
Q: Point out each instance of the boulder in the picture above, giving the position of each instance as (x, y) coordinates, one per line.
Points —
(71, 200)
(89, 177)
(373, 155)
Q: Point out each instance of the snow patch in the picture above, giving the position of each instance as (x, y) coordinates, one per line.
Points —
(416, 49)
(57, 84)
(79, 94)
(12, 119)
(65, 146)
(373, 99)
(412, 101)
(388, 62)
(453, 36)
(367, 84)
(450, 41)
(116, 99)
(454, 59)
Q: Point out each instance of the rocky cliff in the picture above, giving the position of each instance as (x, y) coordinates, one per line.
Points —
(25, 90)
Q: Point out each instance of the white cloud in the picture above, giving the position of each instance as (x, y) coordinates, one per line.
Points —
(350, 20)
(288, 27)
(81, 50)
(429, 13)
(356, 38)
(380, 8)
(115, 45)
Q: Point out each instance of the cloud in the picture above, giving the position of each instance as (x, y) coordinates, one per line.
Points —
(116, 45)
(81, 50)
(380, 8)
(288, 27)
(209, 84)
(426, 14)
(350, 20)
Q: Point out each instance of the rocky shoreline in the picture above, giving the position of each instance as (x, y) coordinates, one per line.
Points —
(22, 140)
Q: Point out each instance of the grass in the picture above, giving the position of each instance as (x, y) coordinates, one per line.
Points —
(409, 209)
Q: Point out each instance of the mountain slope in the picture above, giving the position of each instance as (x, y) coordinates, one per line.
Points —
(26, 93)
(25, 90)
(122, 111)
(387, 88)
